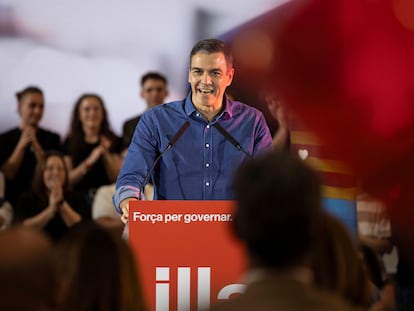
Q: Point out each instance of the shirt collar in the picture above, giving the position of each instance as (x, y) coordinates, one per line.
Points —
(227, 113)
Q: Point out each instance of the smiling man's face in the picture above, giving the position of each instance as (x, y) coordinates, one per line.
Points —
(209, 77)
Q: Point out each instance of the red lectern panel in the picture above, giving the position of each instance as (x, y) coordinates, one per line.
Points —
(187, 256)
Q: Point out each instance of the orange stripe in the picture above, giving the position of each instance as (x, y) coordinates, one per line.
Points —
(304, 138)
(338, 180)
(330, 166)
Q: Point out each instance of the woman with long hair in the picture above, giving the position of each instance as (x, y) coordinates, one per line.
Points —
(50, 206)
(92, 149)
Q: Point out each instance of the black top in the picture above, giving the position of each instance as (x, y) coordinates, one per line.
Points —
(29, 205)
(128, 130)
(96, 175)
(23, 179)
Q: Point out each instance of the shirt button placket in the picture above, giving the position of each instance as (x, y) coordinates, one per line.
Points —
(208, 157)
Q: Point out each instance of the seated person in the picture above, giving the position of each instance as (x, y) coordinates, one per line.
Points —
(103, 210)
(50, 206)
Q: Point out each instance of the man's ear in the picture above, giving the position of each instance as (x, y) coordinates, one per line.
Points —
(230, 75)
(189, 72)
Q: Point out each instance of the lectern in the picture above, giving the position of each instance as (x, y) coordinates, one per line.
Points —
(187, 255)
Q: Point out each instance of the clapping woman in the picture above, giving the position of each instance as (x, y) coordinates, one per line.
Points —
(50, 206)
(92, 149)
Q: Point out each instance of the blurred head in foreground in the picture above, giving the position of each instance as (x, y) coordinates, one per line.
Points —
(97, 271)
(26, 274)
(278, 209)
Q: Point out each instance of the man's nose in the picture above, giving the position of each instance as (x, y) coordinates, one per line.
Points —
(206, 78)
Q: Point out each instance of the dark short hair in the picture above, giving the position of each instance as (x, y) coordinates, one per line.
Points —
(154, 76)
(28, 90)
(213, 46)
(278, 209)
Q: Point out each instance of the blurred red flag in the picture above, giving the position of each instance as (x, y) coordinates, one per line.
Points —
(346, 67)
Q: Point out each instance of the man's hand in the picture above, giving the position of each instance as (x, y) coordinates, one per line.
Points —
(124, 206)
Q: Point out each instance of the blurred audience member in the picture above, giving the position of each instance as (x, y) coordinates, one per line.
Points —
(23, 146)
(26, 274)
(6, 210)
(91, 147)
(278, 216)
(278, 112)
(338, 267)
(97, 272)
(401, 216)
(6, 214)
(374, 227)
(387, 300)
(153, 91)
(372, 265)
(50, 205)
(103, 210)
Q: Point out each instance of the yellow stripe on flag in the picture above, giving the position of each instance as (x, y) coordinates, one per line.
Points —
(339, 193)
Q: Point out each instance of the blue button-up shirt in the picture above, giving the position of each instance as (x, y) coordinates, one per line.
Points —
(201, 164)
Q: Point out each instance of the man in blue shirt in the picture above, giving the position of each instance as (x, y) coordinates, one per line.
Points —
(220, 136)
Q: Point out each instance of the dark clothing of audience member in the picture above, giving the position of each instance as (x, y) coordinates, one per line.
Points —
(22, 181)
(128, 130)
(153, 92)
(23, 146)
(30, 205)
(95, 175)
(401, 216)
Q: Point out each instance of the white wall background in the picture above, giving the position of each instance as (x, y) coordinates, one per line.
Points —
(104, 46)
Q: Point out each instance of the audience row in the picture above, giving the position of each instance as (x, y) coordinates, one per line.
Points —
(299, 257)
(92, 153)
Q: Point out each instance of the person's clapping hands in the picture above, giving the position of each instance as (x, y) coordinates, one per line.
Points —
(105, 144)
(277, 110)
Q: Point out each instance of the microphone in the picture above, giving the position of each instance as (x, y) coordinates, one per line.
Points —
(231, 139)
(178, 134)
(171, 143)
